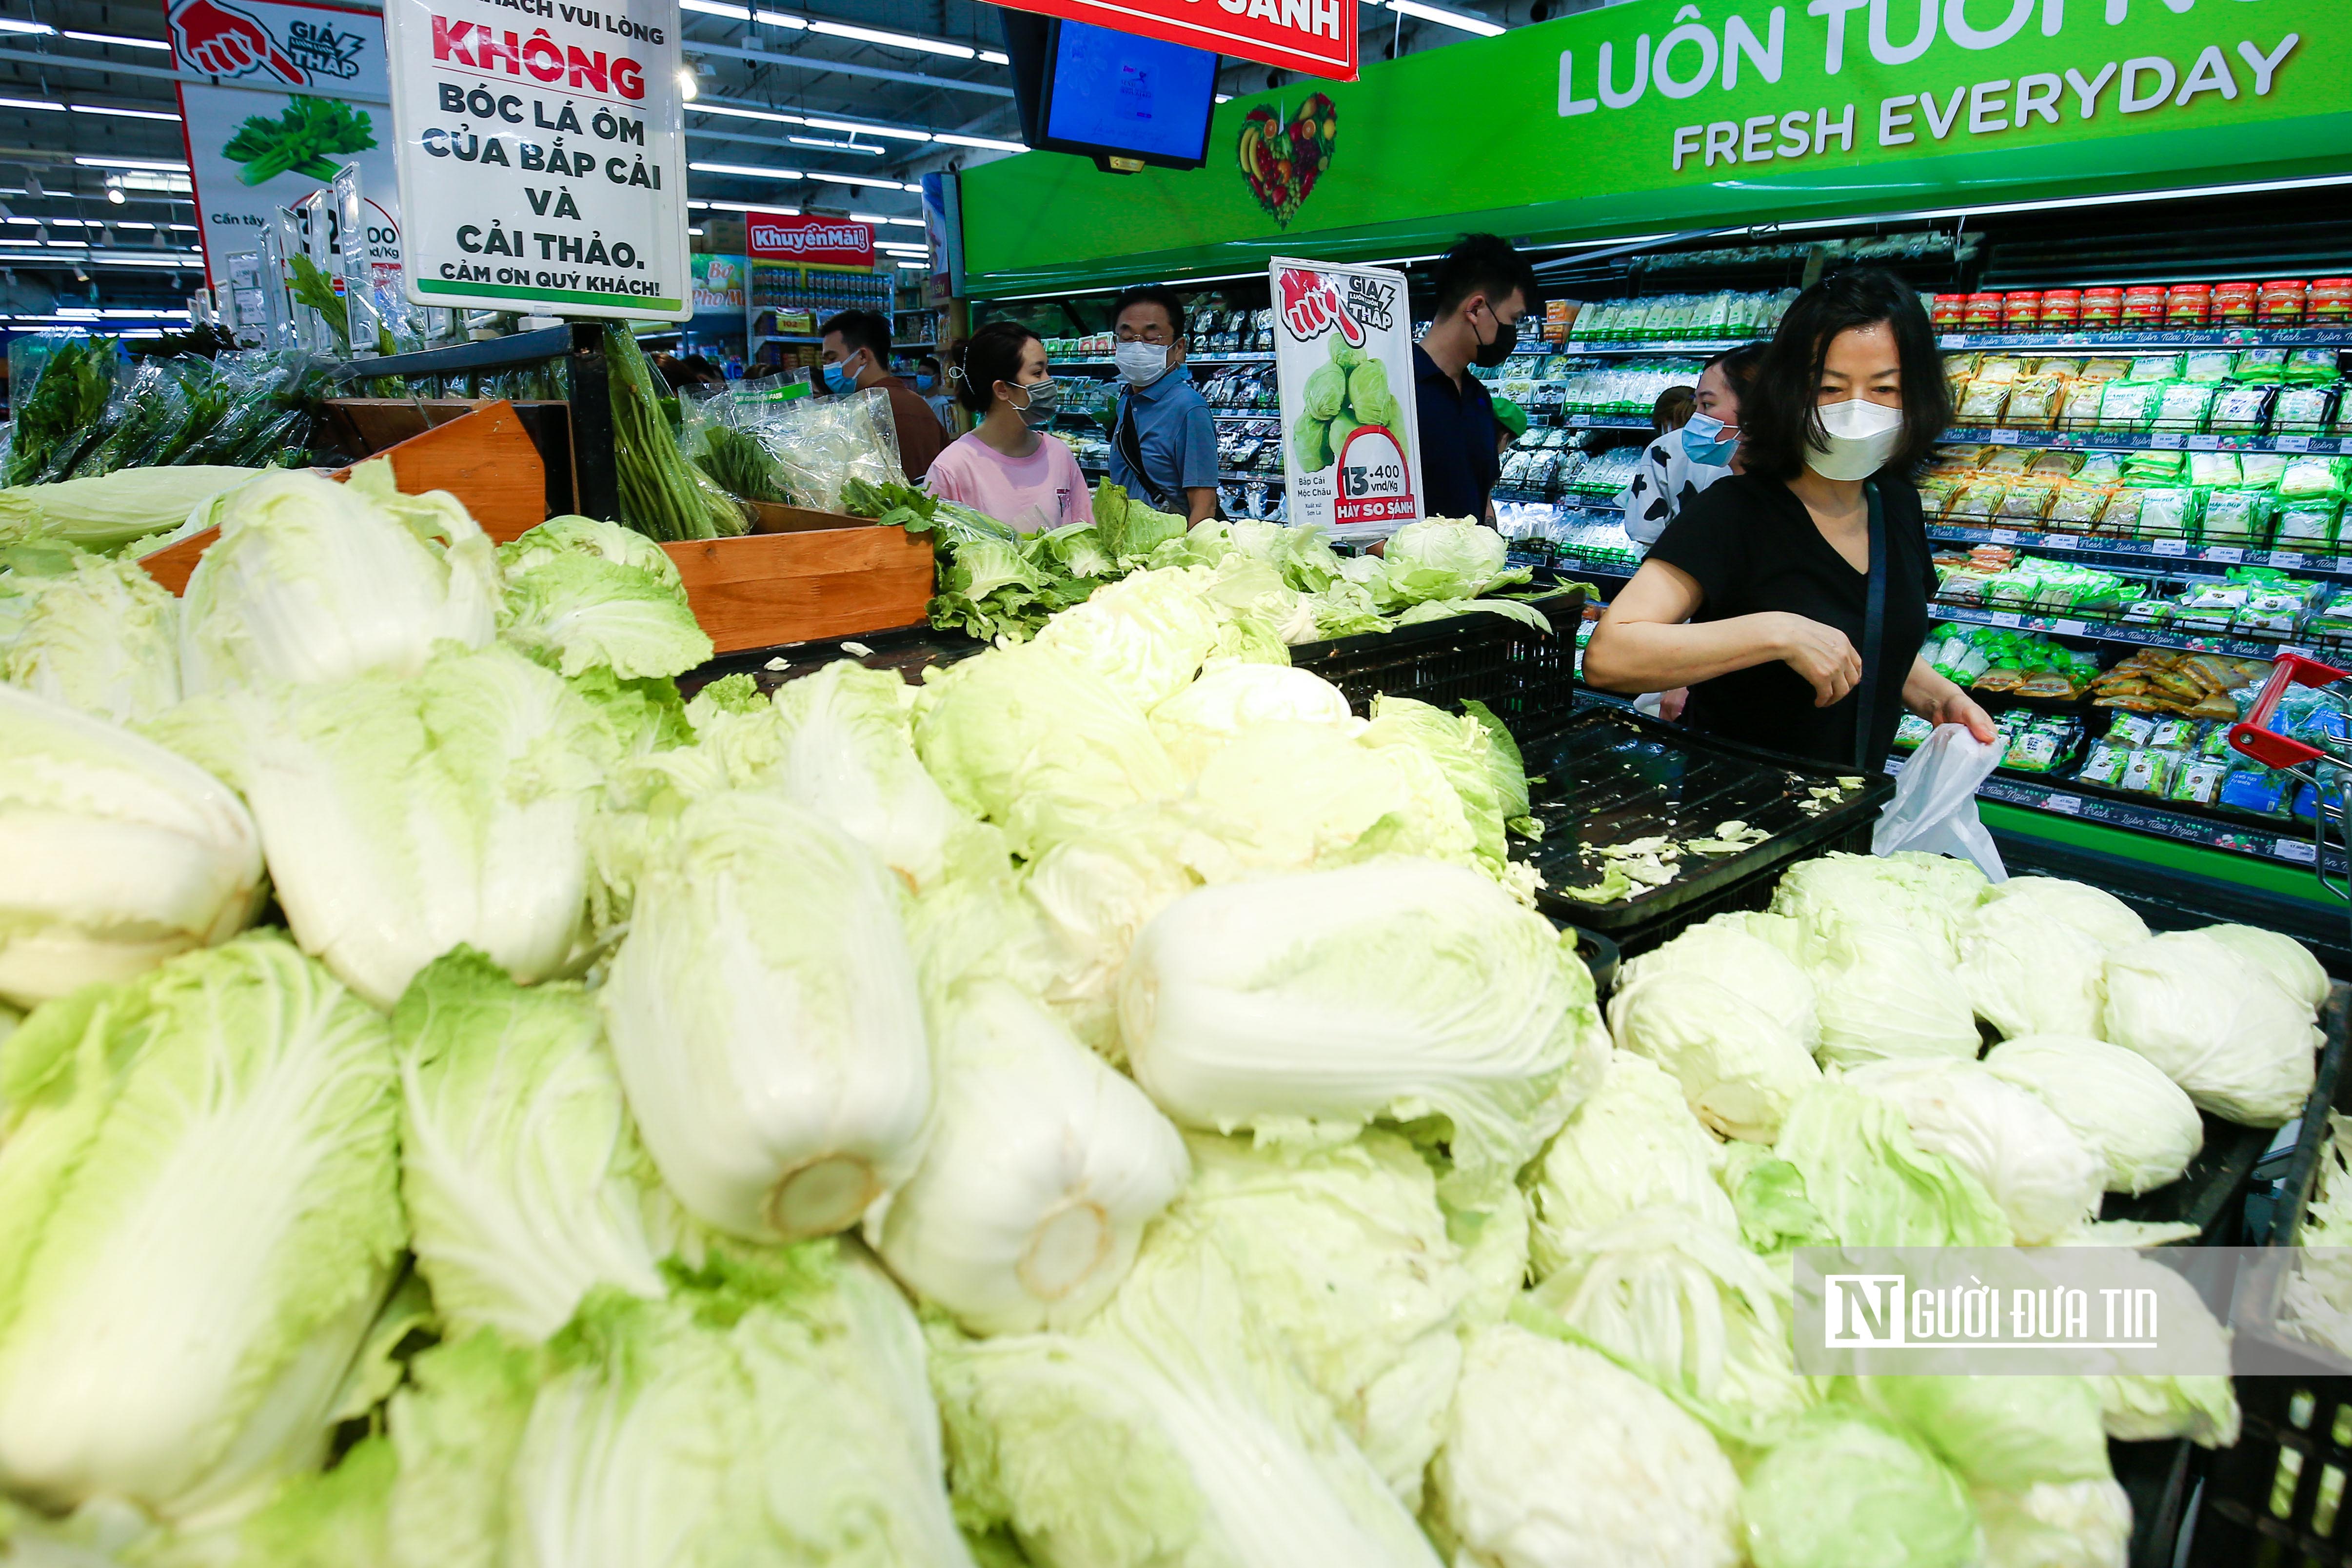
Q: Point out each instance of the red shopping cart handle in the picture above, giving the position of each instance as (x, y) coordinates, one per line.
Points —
(2255, 738)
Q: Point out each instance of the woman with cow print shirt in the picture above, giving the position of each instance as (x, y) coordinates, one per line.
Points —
(1681, 463)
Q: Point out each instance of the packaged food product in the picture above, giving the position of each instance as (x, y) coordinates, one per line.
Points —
(2028, 500)
(2128, 405)
(2156, 367)
(2062, 310)
(2077, 505)
(2142, 307)
(2242, 408)
(1984, 401)
(1912, 732)
(2199, 782)
(2306, 525)
(2303, 409)
(2257, 790)
(2109, 368)
(2039, 747)
(2329, 301)
(2307, 367)
(2184, 405)
(2310, 476)
(2101, 468)
(2171, 734)
(2130, 731)
(2008, 462)
(2281, 302)
(1999, 369)
(2212, 469)
(2123, 512)
(2105, 764)
(2102, 309)
(2234, 304)
(2055, 464)
(2236, 517)
(2260, 470)
(2150, 770)
(2188, 304)
(2208, 364)
(2020, 312)
(2170, 512)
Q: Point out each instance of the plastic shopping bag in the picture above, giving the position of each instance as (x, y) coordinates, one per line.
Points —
(1934, 804)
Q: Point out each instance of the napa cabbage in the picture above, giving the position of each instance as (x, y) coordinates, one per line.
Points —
(524, 1182)
(199, 1216)
(119, 853)
(2217, 1024)
(2125, 1111)
(581, 593)
(2046, 1180)
(98, 634)
(766, 1018)
(313, 581)
(1309, 1005)
(1634, 1144)
(1555, 1456)
(1731, 1017)
(1040, 1175)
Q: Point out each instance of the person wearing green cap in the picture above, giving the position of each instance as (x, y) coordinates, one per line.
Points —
(1510, 422)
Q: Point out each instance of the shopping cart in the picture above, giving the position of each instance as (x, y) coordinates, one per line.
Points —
(2310, 741)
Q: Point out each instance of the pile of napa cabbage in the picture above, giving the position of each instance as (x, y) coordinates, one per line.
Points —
(1106, 1104)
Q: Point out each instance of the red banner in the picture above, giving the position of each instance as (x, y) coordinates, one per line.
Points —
(804, 236)
(1318, 36)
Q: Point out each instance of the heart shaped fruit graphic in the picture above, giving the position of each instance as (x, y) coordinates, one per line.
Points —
(1281, 162)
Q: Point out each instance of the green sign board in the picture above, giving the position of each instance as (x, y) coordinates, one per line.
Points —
(1662, 116)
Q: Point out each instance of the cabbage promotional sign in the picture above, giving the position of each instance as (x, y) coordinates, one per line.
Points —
(1660, 115)
(543, 162)
(1343, 366)
(297, 92)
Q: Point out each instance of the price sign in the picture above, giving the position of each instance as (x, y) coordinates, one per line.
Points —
(2059, 542)
(2225, 552)
(2285, 558)
(2005, 618)
(2167, 440)
(2204, 442)
(2069, 804)
(2068, 628)
(2004, 536)
(2006, 439)
(2293, 443)
(2171, 547)
(2300, 850)
(1955, 339)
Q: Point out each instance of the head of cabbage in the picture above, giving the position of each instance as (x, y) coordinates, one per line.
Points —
(2045, 1180)
(2216, 1023)
(2119, 1105)
(1731, 1017)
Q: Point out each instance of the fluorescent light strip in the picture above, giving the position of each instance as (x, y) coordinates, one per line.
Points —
(712, 9)
(914, 267)
(904, 222)
(11, 25)
(745, 169)
(152, 165)
(780, 19)
(894, 40)
(744, 208)
(893, 131)
(990, 142)
(737, 111)
(31, 103)
(995, 59)
(125, 113)
(1478, 25)
(120, 40)
(835, 146)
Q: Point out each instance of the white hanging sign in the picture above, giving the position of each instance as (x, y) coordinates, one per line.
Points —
(1343, 366)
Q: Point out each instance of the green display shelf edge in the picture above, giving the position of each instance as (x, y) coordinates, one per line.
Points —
(2216, 865)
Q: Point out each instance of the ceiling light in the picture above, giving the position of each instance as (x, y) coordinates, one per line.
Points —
(154, 165)
(914, 267)
(119, 40)
(686, 88)
(713, 9)
(990, 142)
(695, 232)
(780, 19)
(125, 113)
(1478, 25)
(895, 40)
(995, 59)
(878, 217)
(835, 146)
(10, 24)
(739, 112)
(115, 194)
(893, 131)
(747, 171)
(31, 103)
(746, 208)
(1224, 98)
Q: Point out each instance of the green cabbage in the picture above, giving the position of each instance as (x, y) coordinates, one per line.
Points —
(313, 581)
(1234, 696)
(1291, 795)
(1554, 1455)
(119, 853)
(1306, 1005)
(199, 1215)
(765, 1015)
(98, 634)
(1730, 1017)
(524, 1181)
(1444, 558)
(2026, 970)
(2043, 1177)
(1873, 1186)
(2285, 960)
(1768, 1194)
(1146, 634)
(2056, 1524)
(2136, 1120)
(1634, 1145)
(2003, 1432)
(1847, 1491)
(2217, 1024)
(581, 593)
(1882, 992)
(1925, 894)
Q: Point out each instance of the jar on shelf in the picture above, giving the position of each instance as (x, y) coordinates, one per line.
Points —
(2102, 309)
(1984, 312)
(2062, 310)
(2188, 305)
(2143, 308)
(2020, 310)
(2234, 303)
(2282, 303)
(2330, 302)
(1949, 312)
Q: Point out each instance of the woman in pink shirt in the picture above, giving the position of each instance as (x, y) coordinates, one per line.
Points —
(1006, 466)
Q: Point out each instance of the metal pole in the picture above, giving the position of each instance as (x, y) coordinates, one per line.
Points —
(595, 483)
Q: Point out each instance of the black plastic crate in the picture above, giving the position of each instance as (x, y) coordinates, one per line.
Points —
(2277, 1499)
(1611, 776)
(1525, 676)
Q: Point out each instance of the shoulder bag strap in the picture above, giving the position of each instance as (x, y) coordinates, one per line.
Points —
(1129, 442)
(1873, 631)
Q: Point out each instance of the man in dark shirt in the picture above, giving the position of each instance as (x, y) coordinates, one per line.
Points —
(856, 349)
(1483, 287)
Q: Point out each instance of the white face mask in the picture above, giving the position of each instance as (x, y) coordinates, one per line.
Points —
(1140, 363)
(1859, 436)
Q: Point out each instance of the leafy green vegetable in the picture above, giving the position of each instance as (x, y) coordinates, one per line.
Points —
(297, 139)
(740, 465)
(580, 593)
(58, 416)
(662, 495)
(100, 635)
(314, 290)
(1848, 1489)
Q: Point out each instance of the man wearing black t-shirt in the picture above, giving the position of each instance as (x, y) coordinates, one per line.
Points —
(1483, 287)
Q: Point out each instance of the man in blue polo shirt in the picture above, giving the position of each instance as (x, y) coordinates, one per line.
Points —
(1163, 448)
(1483, 287)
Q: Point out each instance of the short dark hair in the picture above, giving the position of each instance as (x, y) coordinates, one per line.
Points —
(931, 360)
(1738, 367)
(1674, 408)
(993, 354)
(1780, 419)
(862, 330)
(1158, 294)
(1486, 264)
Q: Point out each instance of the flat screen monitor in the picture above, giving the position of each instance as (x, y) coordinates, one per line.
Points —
(1114, 95)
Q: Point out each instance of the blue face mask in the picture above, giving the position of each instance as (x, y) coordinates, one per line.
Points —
(1706, 443)
(925, 382)
(840, 380)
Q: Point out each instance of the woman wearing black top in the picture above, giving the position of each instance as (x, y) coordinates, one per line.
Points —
(1757, 594)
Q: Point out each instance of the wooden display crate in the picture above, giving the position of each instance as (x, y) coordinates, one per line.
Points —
(828, 577)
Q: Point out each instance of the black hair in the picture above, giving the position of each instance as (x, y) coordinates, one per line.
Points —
(1780, 419)
(1674, 408)
(1486, 264)
(1738, 367)
(1158, 294)
(862, 330)
(993, 354)
(931, 359)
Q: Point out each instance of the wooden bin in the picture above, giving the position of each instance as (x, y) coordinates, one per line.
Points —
(828, 577)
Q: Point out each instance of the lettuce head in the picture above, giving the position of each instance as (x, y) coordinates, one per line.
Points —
(580, 593)
(1633, 1144)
